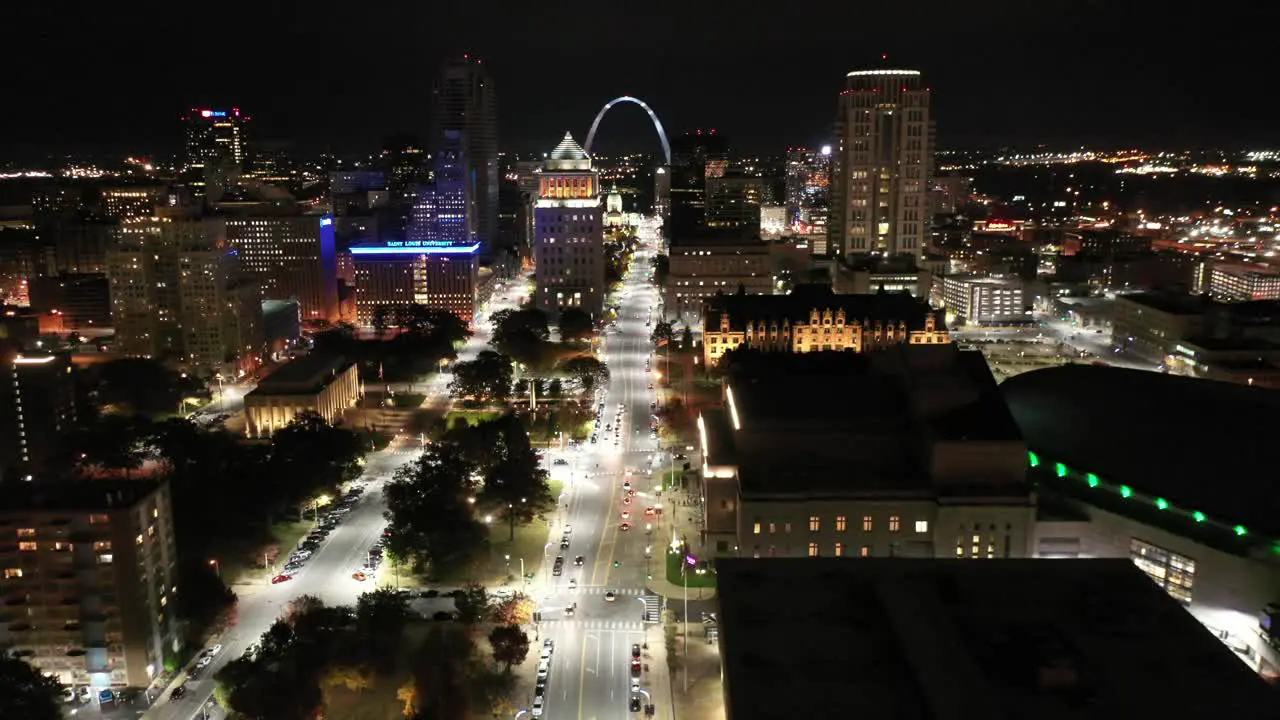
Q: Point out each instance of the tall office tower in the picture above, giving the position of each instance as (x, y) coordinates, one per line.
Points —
(568, 240)
(464, 101)
(177, 292)
(442, 211)
(695, 157)
(37, 410)
(273, 162)
(215, 145)
(89, 577)
(405, 164)
(882, 165)
(290, 257)
(808, 186)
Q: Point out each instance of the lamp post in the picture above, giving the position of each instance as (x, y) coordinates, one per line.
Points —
(507, 558)
(217, 569)
(689, 561)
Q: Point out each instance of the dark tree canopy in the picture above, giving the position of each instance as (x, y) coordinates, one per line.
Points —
(662, 332)
(145, 387)
(521, 334)
(575, 324)
(588, 371)
(27, 693)
(432, 518)
(488, 377)
(510, 645)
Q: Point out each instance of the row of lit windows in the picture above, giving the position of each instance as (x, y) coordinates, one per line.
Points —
(842, 525)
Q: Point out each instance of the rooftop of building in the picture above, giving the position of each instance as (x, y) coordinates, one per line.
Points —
(305, 375)
(984, 280)
(1198, 446)
(1171, 303)
(839, 423)
(895, 307)
(893, 264)
(884, 637)
(1246, 269)
(74, 494)
(712, 238)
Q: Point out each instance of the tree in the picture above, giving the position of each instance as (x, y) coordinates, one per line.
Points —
(555, 388)
(356, 678)
(515, 483)
(662, 333)
(301, 606)
(313, 455)
(588, 371)
(144, 386)
(521, 334)
(472, 604)
(488, 376)
(575, 324)
(686, 339)
(515, 610)
(113, 444)
(661, 269)
(381, 320)
(510, 645)
(27, 693)
(429, 505)
(380, 619)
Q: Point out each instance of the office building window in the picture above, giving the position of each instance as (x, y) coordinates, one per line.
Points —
(1171, 571)
(839, 549)
(922, 526)
(895, 523)
(841, 523)
(866, 523)
(814, 523)
(813, 549)
(864, 551)
(755, 530)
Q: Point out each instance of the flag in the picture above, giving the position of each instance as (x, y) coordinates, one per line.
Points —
(662, 342)
(379, 369)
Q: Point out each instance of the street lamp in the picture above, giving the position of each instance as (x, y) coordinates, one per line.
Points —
(507, 558)
(216, 568)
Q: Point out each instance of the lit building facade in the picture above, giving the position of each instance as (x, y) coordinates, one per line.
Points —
(89, 574)
(291, 257)
(908, 452)
(703, 265)
(443, 210)
(1242, 283)
(324, 385)
(215, 143)
(984, 300)
(37, 410)
(132, 201)
(465, 103)
(882, 165)
(568, 235)
(177, 293)
(399, 274)
(733, 201)
(813, 319)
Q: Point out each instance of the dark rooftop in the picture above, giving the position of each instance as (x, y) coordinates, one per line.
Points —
(1199, 444)
(795, 307)
(1173, 303)
(910, 638)
(307, 374)
(839, 423)
(724, 237)
(74, 494)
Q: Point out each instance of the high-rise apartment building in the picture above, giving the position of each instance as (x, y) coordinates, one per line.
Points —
(882, 165)
(464, 102)
(215, 144)
(88, 573)
(37, 409)
(177, 293)
(290, 257)
(695, 157)
(568, 241)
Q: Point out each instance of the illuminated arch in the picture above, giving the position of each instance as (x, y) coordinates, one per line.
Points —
(657, 124)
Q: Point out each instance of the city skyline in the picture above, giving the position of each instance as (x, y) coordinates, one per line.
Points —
(1023, 77)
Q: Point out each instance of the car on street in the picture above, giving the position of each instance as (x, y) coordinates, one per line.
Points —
(624, 526)
(178, 692)
(635, 703)
(537, 706)
(610, 596)
(579, 560)
(650, 512)
(626, 515)
(281, 578)
(544, 668)
(635, 650)
(635, 686)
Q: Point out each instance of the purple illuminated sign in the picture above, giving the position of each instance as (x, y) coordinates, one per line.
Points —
(690, 560)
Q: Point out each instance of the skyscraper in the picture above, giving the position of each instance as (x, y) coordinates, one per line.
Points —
(442, 210)
(881, 165)
(464, 101)
(215, 143)
(568, 244)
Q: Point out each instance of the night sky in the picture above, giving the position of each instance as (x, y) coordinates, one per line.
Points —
(113, 77)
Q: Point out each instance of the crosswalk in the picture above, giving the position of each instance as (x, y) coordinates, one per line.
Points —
(601, 590)
(652, 608)
(619, 625)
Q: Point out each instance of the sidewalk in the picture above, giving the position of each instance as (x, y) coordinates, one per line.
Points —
(677, 511)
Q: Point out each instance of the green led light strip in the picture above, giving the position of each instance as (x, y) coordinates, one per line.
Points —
(1126, 492)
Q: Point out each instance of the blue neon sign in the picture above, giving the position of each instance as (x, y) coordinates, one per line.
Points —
(415, 247)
